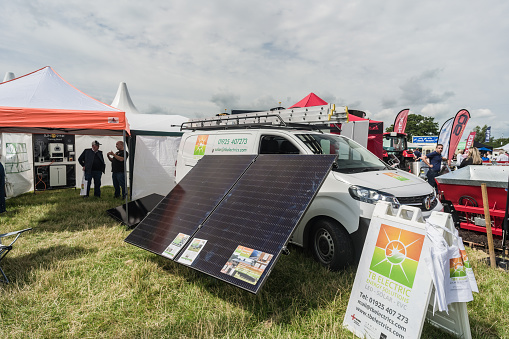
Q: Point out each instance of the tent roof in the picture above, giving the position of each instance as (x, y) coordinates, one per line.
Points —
(123, 100)
(9, 76)
(310, 100)
(43, 101)
(153, 123)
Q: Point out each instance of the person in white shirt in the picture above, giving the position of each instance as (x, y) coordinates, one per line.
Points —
(503, 157)
(459, 157)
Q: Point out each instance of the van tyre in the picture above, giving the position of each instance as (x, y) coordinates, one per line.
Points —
(331, 245)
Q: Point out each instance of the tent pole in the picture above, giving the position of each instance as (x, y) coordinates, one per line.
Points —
(125, 178)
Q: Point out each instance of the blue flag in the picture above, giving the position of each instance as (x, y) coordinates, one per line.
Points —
(488, 135)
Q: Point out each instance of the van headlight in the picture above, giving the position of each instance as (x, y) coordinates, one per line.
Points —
(372, 196)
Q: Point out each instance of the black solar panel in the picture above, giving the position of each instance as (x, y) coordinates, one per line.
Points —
(242, 239)
(180, 213)
(137, 209)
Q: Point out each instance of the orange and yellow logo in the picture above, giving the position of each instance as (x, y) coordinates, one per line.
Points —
(397, 253)
(201, 144)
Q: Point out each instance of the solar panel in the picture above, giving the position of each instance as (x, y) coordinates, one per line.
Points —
(183, 210)
(242, 239)
(138, 210)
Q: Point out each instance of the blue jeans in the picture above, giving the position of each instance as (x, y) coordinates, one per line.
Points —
(96, 175)
(118, 182)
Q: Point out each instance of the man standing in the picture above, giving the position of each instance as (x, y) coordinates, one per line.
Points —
(417, 155)
(434, 161)
(117, 169)
(93, 164)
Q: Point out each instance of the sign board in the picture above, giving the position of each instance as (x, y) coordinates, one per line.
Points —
(425, 140)
(393, 287)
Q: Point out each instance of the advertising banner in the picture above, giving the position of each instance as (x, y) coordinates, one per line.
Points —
(488, 135)
(444, 137)
(389, 296)
(425, 139)
(400, 121)
(470, 140)
(458, 127)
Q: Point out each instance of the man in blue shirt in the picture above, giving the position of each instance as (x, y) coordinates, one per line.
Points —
(434, 161)
(417, 155)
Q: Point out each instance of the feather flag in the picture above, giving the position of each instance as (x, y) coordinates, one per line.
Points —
(445, 136)
(451, 132)
(400, 121)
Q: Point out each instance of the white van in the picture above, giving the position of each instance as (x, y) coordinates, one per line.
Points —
(336, 223)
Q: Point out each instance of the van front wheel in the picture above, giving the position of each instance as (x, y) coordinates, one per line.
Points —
(331, 245)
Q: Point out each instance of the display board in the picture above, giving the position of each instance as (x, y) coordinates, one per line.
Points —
(393, 286)
(54, 161)
(185, 208)
(247, 232)
(244, 234)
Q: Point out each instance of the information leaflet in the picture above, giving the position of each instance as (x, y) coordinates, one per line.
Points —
(392, 286)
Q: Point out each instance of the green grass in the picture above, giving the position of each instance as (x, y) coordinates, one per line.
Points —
(74, 276)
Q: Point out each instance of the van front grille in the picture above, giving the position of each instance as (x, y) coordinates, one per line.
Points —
(418, 201)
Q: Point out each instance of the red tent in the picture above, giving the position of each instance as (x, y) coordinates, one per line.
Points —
(311, 100)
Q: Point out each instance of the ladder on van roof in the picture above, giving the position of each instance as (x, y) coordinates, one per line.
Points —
(312, 116)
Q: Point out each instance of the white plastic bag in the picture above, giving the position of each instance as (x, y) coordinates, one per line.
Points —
(450, 269)
(83, 185)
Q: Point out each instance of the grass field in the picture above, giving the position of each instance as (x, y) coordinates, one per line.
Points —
(74, 276)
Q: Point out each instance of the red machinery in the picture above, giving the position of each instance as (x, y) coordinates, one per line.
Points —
(461, 195)
(395, 150)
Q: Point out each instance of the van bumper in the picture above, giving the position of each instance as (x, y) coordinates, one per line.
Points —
(359, 236)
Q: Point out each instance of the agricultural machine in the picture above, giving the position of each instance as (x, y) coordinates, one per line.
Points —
(461, 195)
(395, 151)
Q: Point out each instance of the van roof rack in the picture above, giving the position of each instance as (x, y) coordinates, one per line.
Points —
(305, 117)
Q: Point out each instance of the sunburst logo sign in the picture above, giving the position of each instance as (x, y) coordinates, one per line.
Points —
(397, 254)
(457, 269)
(201, 144)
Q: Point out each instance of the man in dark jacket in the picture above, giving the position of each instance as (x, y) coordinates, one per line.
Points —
(93, 164)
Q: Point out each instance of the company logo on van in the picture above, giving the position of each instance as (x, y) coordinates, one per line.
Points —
(201, 144)
(397, 254)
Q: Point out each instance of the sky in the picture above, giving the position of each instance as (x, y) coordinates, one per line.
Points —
(199, 58)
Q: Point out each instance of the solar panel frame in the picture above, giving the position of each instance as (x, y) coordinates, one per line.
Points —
(274, 176)
(190, 202)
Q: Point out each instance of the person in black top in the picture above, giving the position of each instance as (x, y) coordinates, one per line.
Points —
(117, 169)
(473, 158)
(2, 188)
(93, 164)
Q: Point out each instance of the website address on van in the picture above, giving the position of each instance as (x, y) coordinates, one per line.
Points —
(226, 149)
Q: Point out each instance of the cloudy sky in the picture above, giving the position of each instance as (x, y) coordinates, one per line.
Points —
(198, 58)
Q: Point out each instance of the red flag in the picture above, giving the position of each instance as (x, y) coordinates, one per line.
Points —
(400, 122)
(458, 127)
(470, 140)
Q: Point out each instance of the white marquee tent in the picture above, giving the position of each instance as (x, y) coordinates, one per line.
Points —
(154, 142)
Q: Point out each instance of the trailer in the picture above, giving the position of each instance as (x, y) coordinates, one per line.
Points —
(461, 195)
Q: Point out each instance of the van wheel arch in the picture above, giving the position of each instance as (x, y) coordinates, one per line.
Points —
(330, 243)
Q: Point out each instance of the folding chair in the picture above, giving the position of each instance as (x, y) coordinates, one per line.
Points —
(4, 249)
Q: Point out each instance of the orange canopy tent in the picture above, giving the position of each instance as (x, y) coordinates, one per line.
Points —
(43, 102)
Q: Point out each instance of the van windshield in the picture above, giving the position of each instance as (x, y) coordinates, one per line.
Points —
(352, 157)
